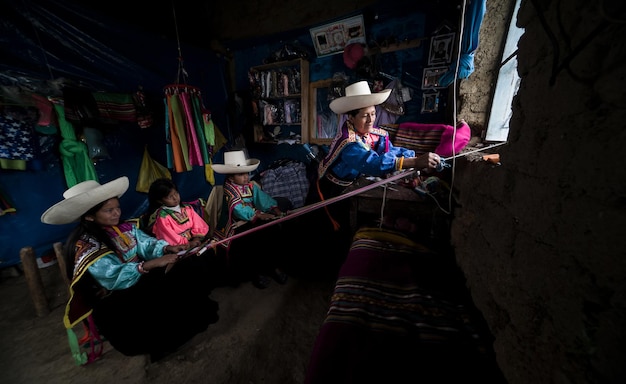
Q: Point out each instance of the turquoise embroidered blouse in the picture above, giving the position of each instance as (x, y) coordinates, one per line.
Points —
(115, 271)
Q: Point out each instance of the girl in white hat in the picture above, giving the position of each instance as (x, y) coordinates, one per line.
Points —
(245, 202)
(118, 281)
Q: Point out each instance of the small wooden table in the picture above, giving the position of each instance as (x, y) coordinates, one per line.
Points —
(398, 200)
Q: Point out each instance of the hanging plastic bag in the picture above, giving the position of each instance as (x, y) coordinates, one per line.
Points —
(149, 171)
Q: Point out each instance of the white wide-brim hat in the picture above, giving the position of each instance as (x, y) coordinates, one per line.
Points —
(358, 95)
(236, 162)
(81, 198)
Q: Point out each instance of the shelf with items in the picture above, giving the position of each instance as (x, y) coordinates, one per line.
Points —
(280, 95)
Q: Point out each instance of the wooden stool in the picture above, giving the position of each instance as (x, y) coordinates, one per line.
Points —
(33, 277)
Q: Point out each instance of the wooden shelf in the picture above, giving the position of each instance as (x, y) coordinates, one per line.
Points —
(276, 71)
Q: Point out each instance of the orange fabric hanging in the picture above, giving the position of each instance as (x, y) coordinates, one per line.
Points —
(178, 137)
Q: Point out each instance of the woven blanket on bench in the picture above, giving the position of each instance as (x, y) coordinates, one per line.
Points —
(382, 326)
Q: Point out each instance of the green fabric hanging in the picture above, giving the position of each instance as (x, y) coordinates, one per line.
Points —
(75, 155)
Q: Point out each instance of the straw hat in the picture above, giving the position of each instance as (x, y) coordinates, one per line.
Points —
(358, 95)
(236, 162)
(81, 198)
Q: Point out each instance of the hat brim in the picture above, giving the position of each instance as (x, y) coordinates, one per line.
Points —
(228, 169)
(71, 209)
(345, 104)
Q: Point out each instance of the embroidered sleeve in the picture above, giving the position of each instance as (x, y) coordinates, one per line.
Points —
(148, 247)
(262, 200)
(110, 272)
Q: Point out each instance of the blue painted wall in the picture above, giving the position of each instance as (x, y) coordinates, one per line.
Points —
(391, 25)
(132, 58)
(101, 56)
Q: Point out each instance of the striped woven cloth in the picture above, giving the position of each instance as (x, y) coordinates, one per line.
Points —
(384, 326)
(116, 106)
(421, 138)
(377, 290)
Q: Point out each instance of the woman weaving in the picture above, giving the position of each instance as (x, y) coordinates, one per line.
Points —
(118, 281)
(360, 149)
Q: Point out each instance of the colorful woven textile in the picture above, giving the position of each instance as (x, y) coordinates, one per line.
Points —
(424, 138)
(384, 326)
(116, 106)
(421, 138)
(189, 129)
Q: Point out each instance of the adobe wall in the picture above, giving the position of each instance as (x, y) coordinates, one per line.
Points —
(541, 238)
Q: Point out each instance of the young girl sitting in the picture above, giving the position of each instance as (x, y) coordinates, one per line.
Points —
(177, 223)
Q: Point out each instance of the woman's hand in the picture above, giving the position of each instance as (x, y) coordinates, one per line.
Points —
(174, 249)
(160, 261)
(433, 160)
(277, 212)
(264, 216)
(428, 160)
(194, 243)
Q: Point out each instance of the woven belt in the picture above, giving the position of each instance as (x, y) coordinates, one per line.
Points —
(337, 181)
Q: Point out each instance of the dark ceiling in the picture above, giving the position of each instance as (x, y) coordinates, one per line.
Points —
(116, 44)
(231, 24)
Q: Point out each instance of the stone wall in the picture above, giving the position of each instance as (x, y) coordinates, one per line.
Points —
(541, 237)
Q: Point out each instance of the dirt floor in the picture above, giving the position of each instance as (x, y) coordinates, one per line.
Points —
(262, 336)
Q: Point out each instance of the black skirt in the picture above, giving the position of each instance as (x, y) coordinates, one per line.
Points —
(162, 311)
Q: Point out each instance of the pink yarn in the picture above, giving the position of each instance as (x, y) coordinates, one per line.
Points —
(463, 135)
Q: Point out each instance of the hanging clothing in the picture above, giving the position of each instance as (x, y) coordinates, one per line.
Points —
(77, 165)
(17, 139)
(115, 106)
(186, 128)
(289, 181)
(471, 28)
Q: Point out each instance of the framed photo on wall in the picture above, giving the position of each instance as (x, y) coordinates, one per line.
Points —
(430, 80)
(430, 102)
(441, 49)
(331, 38)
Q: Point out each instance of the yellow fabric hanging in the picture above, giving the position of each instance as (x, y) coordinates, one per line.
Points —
(208, 173)
(149, 171)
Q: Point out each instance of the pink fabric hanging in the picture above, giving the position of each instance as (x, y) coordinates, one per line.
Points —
(195, 155)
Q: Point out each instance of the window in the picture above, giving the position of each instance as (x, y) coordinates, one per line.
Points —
(506, 85)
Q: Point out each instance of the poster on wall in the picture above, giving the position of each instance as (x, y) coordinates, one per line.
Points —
(331, 38)
(441, 49)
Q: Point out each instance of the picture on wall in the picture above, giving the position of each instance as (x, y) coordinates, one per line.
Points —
(331, 38)
(430, 102)
(430, 80)
(441, 49)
